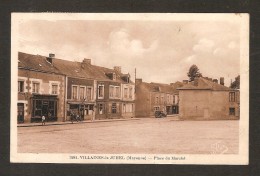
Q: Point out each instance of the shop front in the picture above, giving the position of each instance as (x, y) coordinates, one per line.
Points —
(84, 110)
(44, 105)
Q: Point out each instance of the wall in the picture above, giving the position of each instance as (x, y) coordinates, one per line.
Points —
(45, 79)
(78, 81)
(206, 104)
(142, 101)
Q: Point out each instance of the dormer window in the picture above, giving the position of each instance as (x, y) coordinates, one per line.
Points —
(126, 78)
(114, 76)
(111, 76)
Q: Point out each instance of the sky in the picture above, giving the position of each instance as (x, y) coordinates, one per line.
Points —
(161, 51)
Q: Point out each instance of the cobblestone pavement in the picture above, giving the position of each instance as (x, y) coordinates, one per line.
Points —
(144, 136)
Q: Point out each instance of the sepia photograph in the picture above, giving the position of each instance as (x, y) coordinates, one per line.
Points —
(145, 88)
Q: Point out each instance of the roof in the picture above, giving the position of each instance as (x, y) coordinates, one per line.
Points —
(35, 62)
(69, 68)
(204, 84)
(159, 87)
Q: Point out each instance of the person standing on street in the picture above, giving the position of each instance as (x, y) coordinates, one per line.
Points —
(43, 120)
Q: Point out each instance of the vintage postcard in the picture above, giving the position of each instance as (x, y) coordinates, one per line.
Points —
(146, 88)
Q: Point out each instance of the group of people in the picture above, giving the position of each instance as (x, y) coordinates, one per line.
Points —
(74, 116)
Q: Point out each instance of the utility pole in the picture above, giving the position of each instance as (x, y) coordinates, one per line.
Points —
(135, 80)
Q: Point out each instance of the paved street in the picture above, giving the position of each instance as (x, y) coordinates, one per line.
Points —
(146, 136)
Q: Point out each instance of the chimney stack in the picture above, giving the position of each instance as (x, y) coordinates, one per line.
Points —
(117, 69)
(221, 81)
(50, 58)
(51, 55)
(86, 61)
(215, 81)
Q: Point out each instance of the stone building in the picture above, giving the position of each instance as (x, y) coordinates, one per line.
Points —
(80, 88)
(206, 99)
(54, 87)
(41, 89)
(115, 94)
(151, 97)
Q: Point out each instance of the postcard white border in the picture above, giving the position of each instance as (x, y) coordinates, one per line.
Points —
(239, 159)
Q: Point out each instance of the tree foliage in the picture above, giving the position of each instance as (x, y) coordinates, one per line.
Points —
(194, 72)
(236, 83)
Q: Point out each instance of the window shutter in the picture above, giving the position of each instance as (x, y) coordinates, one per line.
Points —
(109, 108)
(117, 108)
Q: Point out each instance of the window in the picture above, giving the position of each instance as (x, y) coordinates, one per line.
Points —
(114, 91)
(156, 108)
(101, 108)
(125, 92)
(38, 108)
(36, 87)
(111, 91)
(130, 92)
(117, 92)
(89, 93)
(156, 99)
(74, 92)
(124, 108)
(162, 99)
(113, 108)
(101, 91)
(176, 99)
(82, 93)
(20, 86)
(231, 111)
(54, 89)
(231, 96)
(114, 76)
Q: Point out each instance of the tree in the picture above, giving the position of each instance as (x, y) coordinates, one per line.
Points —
(194, 72)
(236, 83)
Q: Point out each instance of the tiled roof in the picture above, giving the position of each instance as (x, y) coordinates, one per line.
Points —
(35, 62)
(69, 68)
(204, 84)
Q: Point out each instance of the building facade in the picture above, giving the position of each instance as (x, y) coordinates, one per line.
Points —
(205, 99)
(80, 98)
(115, 95)
(151, 97)
(57, 88)
(40, 90)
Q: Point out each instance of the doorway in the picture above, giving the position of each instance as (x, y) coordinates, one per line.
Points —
(20, 112)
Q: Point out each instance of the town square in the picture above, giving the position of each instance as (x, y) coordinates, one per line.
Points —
(129, 89)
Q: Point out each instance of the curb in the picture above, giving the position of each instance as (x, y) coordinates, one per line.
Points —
(69, 123)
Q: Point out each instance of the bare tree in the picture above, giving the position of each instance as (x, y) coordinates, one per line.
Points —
(194, 72)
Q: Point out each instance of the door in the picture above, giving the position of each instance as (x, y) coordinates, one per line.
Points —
(45, 110)
(20, 112)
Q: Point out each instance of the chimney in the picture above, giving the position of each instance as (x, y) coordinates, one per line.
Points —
(138, 81)
(86, 61)
(215, 81)
(117, 69)
(50, 58)
(185, 81)
(221, 81)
